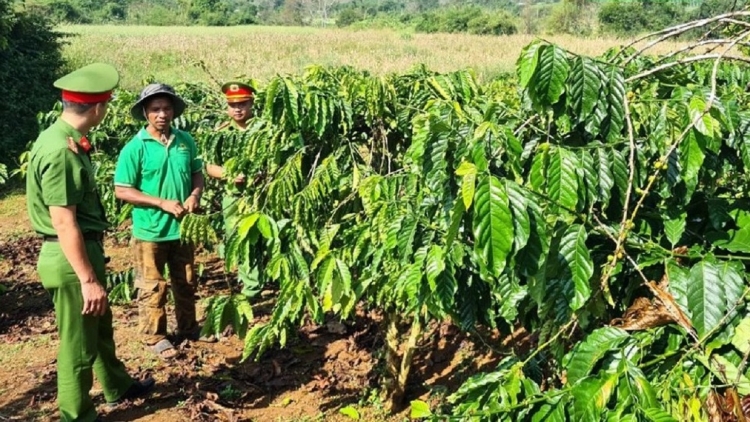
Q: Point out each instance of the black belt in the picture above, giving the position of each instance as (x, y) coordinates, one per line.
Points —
(92, 236)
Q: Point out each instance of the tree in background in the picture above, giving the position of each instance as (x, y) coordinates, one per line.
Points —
(31, 59)
(349, 16)
(577, 17)
(6, 23)
(628, 18)
(471, 19)
(570, 17)
(711, 8)
(294, 12)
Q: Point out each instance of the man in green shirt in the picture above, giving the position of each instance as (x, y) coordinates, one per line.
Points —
(65, 208)
(159, 172)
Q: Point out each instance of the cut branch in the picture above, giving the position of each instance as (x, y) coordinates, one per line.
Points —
(686, 61)
(714, 43)
(674, 31)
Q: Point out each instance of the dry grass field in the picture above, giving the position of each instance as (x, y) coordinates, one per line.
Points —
(170, 54)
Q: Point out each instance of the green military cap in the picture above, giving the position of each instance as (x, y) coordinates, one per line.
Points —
(90, 84)
(237, 92)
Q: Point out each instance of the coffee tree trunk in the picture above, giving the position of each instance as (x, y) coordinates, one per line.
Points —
(398, 365)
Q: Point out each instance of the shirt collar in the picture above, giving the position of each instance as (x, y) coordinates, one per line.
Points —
(69, 130)
(238, 127)
(145, 136)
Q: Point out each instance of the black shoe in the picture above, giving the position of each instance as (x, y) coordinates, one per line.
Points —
(138, 389)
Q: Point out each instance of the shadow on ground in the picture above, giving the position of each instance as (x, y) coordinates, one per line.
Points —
(322, 368)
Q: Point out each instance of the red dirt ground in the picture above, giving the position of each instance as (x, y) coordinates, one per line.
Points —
(322, 370)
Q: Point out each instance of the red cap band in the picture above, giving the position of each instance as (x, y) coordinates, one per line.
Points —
(86, 98)
(239, 93)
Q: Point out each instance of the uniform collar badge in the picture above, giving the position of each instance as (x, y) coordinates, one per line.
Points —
(83, 143)
(72, 145)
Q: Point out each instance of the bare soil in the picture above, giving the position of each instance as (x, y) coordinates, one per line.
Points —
(323, 369)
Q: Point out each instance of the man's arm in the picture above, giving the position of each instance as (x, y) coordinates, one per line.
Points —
(127, 172)
(192, 203)
(196, 180)
(134, 196)
(198, 183)
(72, 244)
(217, 172)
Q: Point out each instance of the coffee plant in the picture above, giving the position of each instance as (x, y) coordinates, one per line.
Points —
(597, 204)
(120, 287)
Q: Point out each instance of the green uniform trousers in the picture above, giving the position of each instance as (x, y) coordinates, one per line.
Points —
(86, 342)
(230, 212)
(249, 279)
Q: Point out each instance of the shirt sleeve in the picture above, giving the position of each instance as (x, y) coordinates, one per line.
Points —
(128, 166)
(196, 163)
(62, 179)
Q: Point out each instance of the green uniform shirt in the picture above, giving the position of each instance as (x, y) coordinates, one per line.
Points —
(229, 126)
(59, 176)
(161, 171)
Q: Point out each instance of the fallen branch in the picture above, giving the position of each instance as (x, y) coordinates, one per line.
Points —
(674, 31)
(686, 61)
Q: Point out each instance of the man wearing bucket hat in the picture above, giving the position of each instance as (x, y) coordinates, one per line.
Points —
(160, 173)
(239, 97)
(65, 208)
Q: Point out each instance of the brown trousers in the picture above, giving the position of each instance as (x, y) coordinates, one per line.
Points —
(151, 259)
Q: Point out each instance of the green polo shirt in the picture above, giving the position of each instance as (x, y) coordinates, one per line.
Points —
(161, 171)
(59, 176)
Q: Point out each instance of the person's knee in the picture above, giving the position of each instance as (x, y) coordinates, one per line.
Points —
(152, 293)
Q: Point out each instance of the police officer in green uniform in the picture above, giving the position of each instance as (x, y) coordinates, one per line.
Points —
(239, 97)
(65, 208)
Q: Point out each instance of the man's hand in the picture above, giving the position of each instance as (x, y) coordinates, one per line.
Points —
(74, 249)
(94, 298)
(239, 179)
(192, 204)
(172, 207)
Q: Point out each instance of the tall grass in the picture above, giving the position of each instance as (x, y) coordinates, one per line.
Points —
(170, 54)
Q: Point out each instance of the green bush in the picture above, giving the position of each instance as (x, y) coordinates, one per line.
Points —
(148, 12)
(385, 21)
(709, 8)
(661, 15)
(31, 61)
(631, 18)
(471, 19)
(568, 18)
(113, 12)
(144, 13)
(623, 18)
(486, 24)
(58, 11)
(349, 16)
(244, 15)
